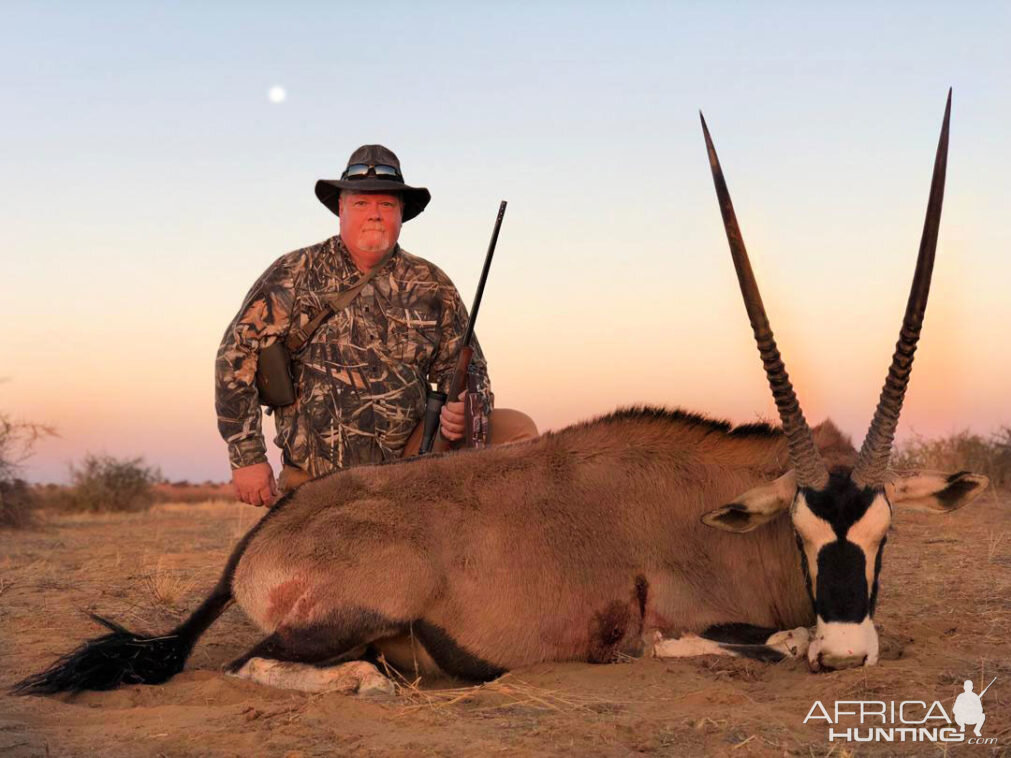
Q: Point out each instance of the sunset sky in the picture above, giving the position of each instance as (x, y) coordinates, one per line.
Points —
(151, 176)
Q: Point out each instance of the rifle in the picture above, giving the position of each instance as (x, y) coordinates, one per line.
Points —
(432, 439)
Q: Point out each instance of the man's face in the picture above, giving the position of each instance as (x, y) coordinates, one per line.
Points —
(370, 222)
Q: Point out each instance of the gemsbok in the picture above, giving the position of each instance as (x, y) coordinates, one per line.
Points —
(642, 531)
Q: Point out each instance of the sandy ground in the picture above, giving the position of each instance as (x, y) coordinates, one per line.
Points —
(944, 616)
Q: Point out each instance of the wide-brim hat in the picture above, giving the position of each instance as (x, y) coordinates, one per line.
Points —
(373, 168)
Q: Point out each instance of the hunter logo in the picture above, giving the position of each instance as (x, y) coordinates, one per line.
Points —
(968, 708)
(905, 721)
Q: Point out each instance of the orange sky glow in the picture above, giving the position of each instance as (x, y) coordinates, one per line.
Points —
(155, 177)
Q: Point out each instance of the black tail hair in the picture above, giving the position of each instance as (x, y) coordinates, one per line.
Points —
(123, 657)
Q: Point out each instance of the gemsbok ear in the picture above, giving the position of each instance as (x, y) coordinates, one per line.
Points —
(934, 491)
(755, 507)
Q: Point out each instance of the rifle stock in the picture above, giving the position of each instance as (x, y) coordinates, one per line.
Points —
(433, 408)
(456, 388)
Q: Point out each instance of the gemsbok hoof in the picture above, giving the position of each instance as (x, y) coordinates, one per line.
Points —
(354, 678)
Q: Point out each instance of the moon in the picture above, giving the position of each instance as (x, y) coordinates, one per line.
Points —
(277, 94)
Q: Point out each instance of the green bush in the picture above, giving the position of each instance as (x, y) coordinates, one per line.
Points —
(104, 483)
(961, 452)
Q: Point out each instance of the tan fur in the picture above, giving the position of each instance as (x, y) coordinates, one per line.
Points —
(762, 504)
(836, 448)
(531, 552)
(816, 534)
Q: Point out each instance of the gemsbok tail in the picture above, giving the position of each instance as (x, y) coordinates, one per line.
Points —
(122, 657)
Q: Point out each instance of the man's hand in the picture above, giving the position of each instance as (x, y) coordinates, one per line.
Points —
(255, 484)
(452, 421)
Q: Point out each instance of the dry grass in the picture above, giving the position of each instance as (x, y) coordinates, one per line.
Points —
(504, 693)
(945, 615)
(167, 587)
(103, 484)
(990, 455)
(60, 498)
(184, 492)
(994, 542)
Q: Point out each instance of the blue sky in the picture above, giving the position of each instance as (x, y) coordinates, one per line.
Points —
(150, 180)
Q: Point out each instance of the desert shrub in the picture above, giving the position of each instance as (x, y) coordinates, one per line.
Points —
(104, 483)
(990, 455)
(16, 504)
(184, 492)
(17, 442)
(57, 497)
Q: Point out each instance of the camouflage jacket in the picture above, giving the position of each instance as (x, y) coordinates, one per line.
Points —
(362, 378)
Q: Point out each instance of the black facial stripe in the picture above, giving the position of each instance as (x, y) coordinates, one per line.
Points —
(841, 592)
(841, 503)
(807, 569)
(842, 583)
(877, 573)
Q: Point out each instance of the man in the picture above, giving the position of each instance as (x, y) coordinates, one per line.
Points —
(363, 376)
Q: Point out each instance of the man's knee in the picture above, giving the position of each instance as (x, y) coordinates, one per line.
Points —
(505, 425)
(509, 425)
(290, 478)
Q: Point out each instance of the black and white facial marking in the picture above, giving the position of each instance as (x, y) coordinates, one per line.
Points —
(841, 535)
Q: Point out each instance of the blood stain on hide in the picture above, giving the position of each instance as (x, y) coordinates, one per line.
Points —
(641, 589)
(282, 598)
(607, 629)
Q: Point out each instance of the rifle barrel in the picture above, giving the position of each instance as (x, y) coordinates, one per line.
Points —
(484, 273)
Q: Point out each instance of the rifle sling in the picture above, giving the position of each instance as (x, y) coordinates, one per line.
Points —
(298, 336)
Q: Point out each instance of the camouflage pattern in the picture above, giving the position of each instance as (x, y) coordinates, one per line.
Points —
(362, 378)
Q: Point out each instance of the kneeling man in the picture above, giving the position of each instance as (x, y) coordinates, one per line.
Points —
(363, 373)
